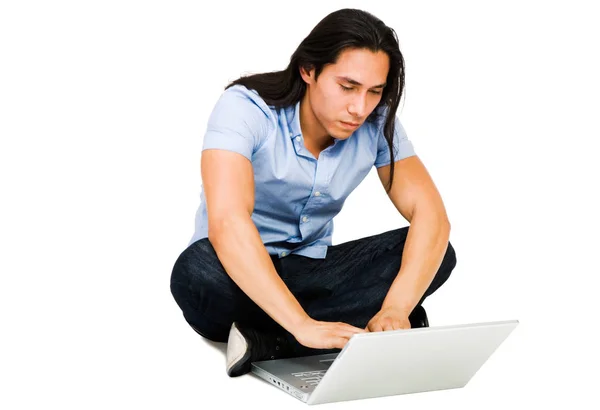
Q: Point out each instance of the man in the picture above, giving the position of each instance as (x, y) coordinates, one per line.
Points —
(281, 153)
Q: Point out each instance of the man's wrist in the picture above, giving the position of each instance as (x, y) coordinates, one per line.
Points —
(402, 306)
(298, 323)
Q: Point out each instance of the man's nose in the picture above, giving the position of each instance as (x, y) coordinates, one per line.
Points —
(358, 106)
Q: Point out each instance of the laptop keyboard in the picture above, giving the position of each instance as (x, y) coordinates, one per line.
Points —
(311, 378)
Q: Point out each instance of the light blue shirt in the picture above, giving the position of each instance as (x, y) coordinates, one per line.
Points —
(296, 195)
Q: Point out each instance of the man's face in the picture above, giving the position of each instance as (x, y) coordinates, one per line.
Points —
(336, 98)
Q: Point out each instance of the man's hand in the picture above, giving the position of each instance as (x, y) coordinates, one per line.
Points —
(324, 335)
(389, 318)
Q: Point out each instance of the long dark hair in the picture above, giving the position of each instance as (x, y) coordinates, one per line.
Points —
(340, 30)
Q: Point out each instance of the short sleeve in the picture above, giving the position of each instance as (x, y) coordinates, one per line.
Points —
(239, 122)
(403, 147)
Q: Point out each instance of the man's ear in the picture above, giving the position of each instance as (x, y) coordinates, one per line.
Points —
(307, 74)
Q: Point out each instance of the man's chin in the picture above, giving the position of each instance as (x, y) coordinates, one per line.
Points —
(342, 136)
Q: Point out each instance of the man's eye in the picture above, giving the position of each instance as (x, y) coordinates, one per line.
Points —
(350, 89)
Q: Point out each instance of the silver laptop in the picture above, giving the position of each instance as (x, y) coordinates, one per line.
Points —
(388, 363)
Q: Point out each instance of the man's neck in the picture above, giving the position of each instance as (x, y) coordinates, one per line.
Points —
(315, 136)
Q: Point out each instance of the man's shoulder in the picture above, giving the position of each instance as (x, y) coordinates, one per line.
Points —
(242, 98)
(244, 111)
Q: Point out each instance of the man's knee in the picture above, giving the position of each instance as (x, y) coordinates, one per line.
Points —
(199, 266)
(449, 261)
(444, 271)
(209, 298)
(198, 278)
(447, 266)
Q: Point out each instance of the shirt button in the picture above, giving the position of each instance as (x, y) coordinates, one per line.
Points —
(298, 139)
(304, 219)
(283, 253)
(317, 193)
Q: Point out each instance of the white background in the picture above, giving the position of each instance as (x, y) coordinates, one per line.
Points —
(103, 106)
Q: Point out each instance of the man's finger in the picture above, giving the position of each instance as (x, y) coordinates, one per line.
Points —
(375, 327)
(339, 343)
(354, 329)
(345, 334)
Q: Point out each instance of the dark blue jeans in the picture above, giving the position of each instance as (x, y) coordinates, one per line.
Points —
(349, 285)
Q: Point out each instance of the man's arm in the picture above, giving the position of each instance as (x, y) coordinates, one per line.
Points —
(228, 181)
(416, 197)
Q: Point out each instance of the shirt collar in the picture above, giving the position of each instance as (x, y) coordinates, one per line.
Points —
(294, 120)
(293, 116)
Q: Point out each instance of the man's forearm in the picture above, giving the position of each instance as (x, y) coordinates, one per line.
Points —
(246, 260)
(424, 250)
